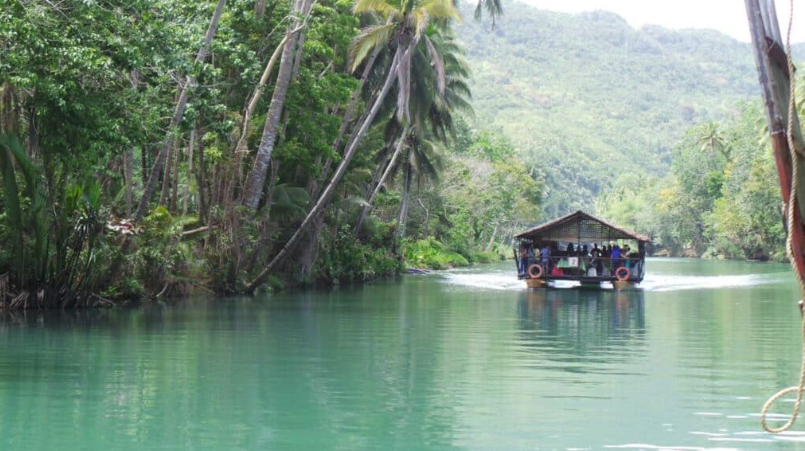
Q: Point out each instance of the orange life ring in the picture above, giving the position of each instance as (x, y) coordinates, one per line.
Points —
(535, 271)
(622, 273)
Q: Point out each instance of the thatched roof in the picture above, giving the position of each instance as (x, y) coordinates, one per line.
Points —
(580, 226)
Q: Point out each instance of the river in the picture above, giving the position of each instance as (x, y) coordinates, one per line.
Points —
(458, 360)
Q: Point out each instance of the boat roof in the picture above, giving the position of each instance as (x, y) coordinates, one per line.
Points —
(580, 226)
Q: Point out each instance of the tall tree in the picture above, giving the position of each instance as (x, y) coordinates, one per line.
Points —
(440, 90)
(255, 182)
(403, 25)
(178, 113)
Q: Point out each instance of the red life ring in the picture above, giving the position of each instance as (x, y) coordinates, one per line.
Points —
(535, 271)
(622, 273)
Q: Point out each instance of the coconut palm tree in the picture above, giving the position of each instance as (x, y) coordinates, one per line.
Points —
(421, 161)
(401, 28)
(255, 182)
(436, 96)
(492, 7)
(713, 139)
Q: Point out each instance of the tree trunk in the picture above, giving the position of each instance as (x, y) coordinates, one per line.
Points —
(255, 182)
(492, 239)
(166, 176)
(260, 8)
(150, 186)
(346, 120)
(404, 205)
(201, 182)
(8, 118)
(144, 163)
(427, 217)
(264, 243)
(175, 188)
(128, 176)
(367, 208)
(190, 171)
(241, 148)
(339, 173)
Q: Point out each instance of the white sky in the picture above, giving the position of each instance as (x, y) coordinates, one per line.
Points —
(727, 16)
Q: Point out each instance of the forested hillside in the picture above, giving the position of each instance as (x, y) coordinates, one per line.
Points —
(589, 98)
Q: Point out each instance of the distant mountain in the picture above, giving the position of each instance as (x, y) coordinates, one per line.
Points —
(588, 97)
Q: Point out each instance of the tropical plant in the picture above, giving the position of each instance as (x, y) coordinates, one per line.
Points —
(403, 25)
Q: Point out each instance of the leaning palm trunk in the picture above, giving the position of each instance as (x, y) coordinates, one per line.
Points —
(241, 146)
(370, 202)
(255, 182)
(404, 205)
(178, 113)
(166, 177)
(339, 174)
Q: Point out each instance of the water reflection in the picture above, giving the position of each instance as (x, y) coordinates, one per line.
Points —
(416, 365)
(584, 318)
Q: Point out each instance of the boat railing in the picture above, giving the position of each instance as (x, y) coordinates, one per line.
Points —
(581, 268)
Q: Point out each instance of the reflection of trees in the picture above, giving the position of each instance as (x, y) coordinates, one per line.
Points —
(317, 370)
(597, 324)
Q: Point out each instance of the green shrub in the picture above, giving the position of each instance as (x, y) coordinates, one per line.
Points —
(431, 253)
(484, 257)
(347, 260)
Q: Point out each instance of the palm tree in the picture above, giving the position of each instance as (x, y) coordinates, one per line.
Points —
(421, 161)
(492, 7)
(401, 28)
(436, 97)
(255, 182)
(714, 140)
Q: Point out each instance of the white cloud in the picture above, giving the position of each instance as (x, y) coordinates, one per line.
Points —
(727, 16)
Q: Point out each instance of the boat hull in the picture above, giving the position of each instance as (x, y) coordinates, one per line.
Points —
(536, 283)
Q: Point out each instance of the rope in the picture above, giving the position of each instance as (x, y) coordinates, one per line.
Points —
(789, 246)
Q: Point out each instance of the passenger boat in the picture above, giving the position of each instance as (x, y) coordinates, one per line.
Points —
(582, 248)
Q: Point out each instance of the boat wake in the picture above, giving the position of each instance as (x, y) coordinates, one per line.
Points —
(505, 280)
(488, 281)
(663, 282)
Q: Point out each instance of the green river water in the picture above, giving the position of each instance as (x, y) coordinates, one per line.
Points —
(464, 359)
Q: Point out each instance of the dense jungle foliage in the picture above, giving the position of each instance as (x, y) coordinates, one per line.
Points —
(151, 147)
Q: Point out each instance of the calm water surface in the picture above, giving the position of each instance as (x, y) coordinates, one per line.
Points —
(465, 360)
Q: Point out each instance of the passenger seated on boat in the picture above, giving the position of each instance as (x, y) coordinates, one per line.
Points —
(597, 261)
(557, 271)
(569, 249)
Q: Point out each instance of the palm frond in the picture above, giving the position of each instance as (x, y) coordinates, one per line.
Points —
(381, 7)
(370, 38)
(418, 20)
(441, 9)
(493, 7)
(437, 63)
